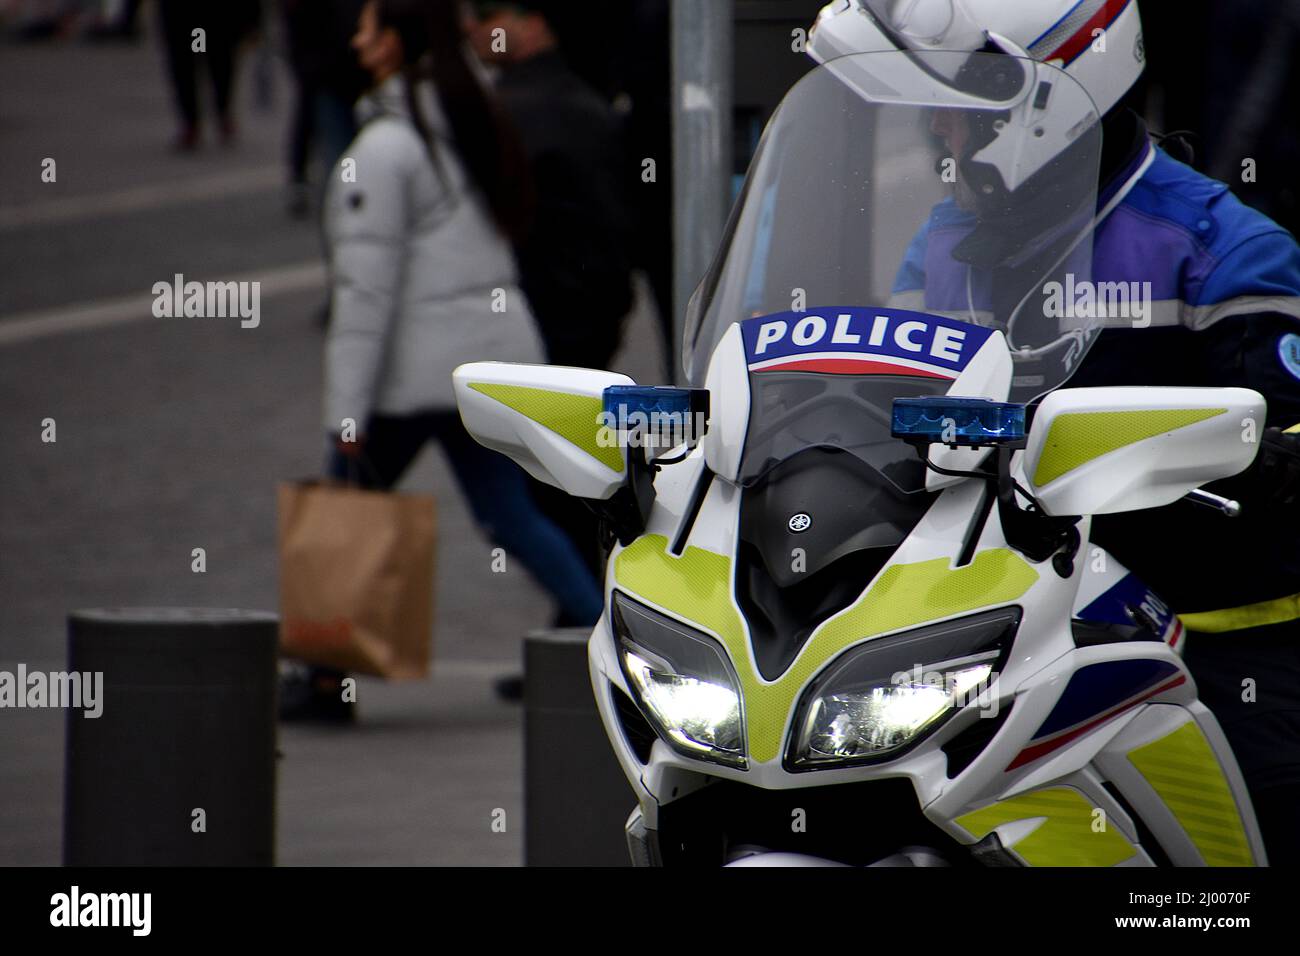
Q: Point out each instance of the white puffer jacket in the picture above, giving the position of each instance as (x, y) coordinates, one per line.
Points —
(423, 280)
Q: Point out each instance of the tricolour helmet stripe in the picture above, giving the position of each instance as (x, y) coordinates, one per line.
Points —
(1065, 27)
(1069, 39)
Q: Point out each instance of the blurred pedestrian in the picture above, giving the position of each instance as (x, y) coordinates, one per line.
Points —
(420, 241)
(573, 261)
(329, 82)
(204, 35)
(36, 20)
(647, 80)
(624, 55)
(118, 21)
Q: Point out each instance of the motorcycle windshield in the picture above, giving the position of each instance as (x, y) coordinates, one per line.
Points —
(901, 208)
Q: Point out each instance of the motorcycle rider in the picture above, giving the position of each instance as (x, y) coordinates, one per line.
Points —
(1225, 311)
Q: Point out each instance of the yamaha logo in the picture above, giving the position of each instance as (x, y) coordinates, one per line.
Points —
(800, 522)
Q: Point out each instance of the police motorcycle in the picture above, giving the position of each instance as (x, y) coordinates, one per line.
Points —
(855, 618)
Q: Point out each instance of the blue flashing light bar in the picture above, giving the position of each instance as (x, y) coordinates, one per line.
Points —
(958, 422)
(624, 400)
(658, 416)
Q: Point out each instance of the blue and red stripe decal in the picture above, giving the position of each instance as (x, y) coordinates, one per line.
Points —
(1095, 694)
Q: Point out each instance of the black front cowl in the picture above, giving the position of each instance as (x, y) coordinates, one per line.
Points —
(852, 823)
(813, 533)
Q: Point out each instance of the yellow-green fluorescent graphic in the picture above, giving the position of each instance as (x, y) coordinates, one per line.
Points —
(697, 586)
(1066, 837)
(575, 418)
(1076, 438)
(1183, 770)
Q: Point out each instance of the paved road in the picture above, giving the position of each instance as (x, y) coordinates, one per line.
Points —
(172, 435)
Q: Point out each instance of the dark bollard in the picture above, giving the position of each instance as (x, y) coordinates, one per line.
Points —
(179, 768)
(576, 799)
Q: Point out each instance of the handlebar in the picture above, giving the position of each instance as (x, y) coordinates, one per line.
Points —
(1226, 505)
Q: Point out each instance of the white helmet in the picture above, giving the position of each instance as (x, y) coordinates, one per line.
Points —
(1096, 42)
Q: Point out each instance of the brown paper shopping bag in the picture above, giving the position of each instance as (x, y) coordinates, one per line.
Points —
(356, 578)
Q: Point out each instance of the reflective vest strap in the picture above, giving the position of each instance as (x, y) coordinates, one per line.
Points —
(1277, 611)
(1293, 430)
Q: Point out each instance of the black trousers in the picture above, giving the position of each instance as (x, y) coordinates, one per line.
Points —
(223, 23)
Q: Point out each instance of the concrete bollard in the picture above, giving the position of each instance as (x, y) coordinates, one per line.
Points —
(576, 799)
(179, 768)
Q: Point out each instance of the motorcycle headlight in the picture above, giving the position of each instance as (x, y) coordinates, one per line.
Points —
(889, 694)
(684, 683)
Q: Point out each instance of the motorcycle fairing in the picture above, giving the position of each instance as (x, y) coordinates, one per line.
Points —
(1126, 601)
(834, 210)
(696, 587)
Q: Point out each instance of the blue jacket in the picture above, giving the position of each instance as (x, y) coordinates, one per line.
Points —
(1226, 289)
(1225, 280)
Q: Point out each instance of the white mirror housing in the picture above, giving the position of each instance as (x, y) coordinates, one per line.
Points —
(1106, 450)
(548, 419)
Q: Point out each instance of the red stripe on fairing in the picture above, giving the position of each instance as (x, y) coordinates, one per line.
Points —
(1030, 754)
(1178, 632)
(1071, 49)
(853, 367)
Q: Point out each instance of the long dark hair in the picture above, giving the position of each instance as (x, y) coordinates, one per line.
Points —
(433, 46)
